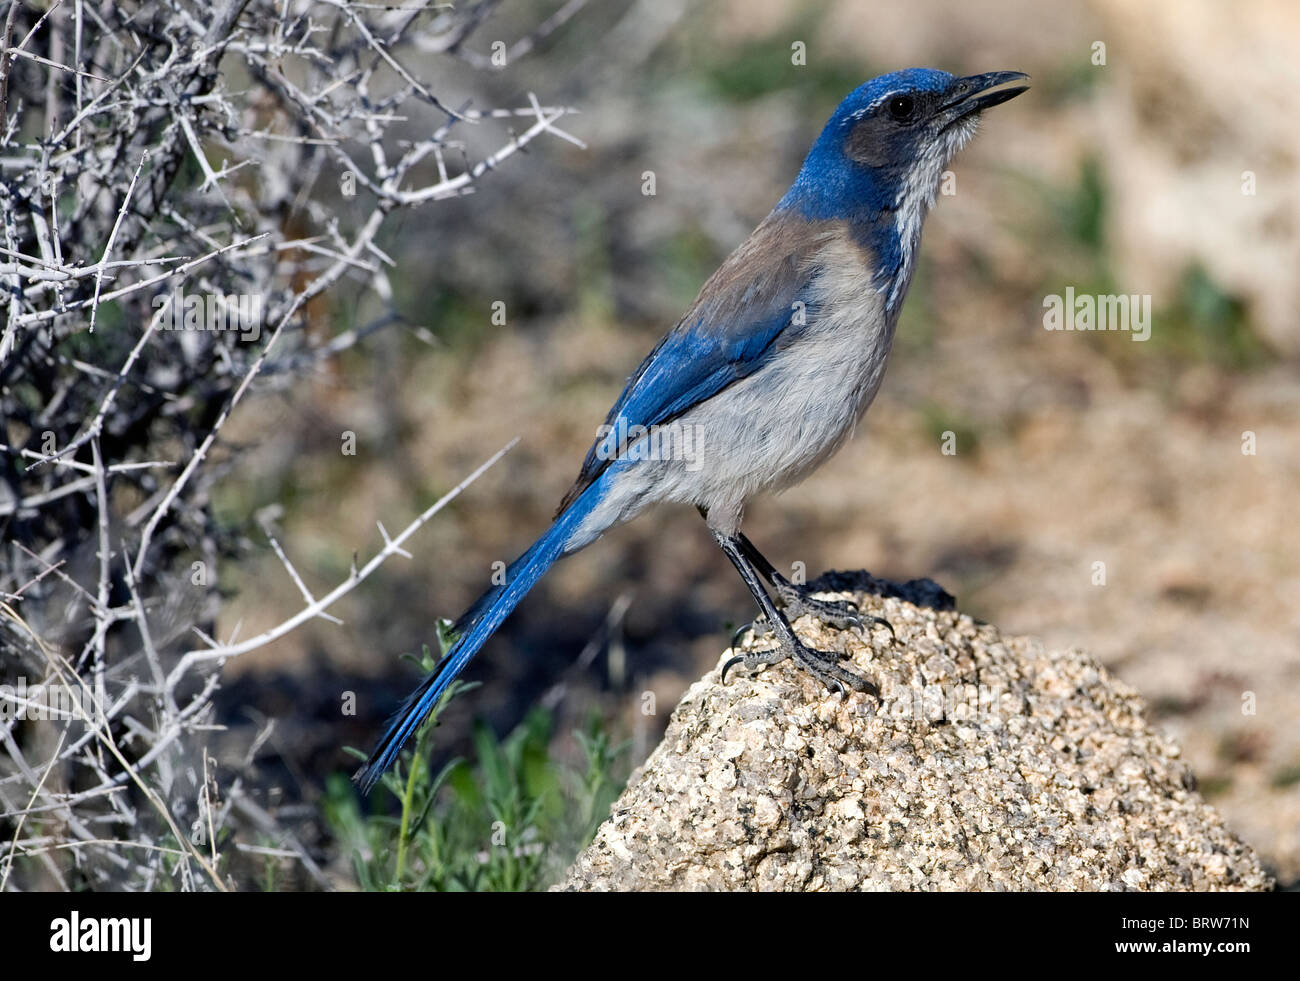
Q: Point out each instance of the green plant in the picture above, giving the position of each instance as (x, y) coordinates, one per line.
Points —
(1205, 322)
(511, 820)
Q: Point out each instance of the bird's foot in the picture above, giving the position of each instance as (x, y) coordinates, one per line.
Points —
(822, 665)
(841, 614)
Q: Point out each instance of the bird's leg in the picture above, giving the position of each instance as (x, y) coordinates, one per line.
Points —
(797, 599)
(822, 665)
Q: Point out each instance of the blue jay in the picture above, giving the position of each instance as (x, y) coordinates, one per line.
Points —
(767, 374)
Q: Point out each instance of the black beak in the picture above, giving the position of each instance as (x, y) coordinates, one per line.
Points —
(975, 93)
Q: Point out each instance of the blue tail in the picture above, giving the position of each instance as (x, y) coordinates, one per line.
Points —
(477, 624)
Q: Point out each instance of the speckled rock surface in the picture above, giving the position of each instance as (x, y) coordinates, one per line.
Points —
(989, 764)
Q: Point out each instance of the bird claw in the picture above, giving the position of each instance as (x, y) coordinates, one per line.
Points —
(822, 665)
(829, 673)
(754, 659)
(728, 666)
(842, 614)
(882, 622)
(735, 639)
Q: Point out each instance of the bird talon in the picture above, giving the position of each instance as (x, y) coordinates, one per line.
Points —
(881, 621)
(735, 637)
(728, 666)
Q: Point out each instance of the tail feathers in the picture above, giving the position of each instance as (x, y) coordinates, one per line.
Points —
(478, 624)
(401, 726)
(481, 605)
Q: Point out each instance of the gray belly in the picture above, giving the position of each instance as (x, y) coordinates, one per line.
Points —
(770, 429)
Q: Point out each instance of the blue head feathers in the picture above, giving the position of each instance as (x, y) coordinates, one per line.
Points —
(879, 159)
(885, 131)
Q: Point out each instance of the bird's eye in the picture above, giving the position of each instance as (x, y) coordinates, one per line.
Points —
(901, 107)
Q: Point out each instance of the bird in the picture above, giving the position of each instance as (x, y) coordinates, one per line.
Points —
(766, 375)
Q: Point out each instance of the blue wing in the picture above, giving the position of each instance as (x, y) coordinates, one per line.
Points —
(750, 305)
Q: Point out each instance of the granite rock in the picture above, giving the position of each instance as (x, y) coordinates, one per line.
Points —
(988, 764)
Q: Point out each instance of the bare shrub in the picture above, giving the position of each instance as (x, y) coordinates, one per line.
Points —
(170, 185)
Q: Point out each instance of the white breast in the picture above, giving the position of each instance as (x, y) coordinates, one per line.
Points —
(816, 390)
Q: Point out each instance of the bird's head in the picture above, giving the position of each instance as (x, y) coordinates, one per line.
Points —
(885, 148)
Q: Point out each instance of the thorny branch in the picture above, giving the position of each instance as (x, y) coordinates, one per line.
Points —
(152, 154)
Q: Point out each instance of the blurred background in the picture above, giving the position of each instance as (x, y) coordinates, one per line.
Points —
(1155, 154)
